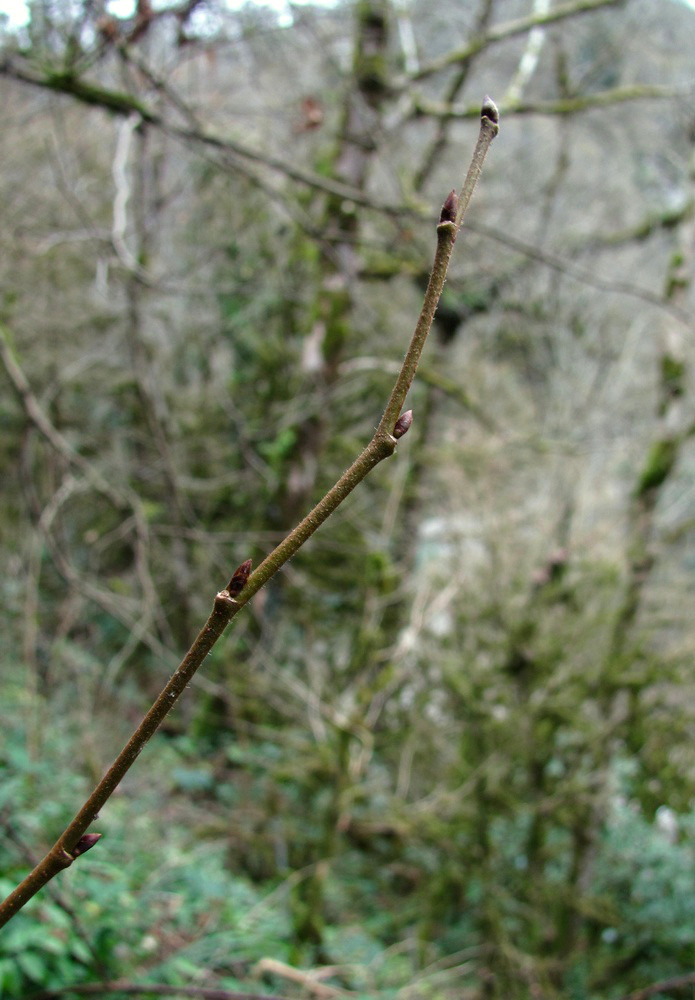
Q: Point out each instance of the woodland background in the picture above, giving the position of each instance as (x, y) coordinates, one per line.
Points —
(449, 752)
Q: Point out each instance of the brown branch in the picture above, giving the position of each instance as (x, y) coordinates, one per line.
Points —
(676, 983)
(73, 840)
(150, 989)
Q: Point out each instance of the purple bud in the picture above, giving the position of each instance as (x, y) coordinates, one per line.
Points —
(85, 843)
(489, 110)
(449, 208)
(403, 424)
(238, 581)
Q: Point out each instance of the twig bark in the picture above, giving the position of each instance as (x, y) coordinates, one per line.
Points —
(75, 840)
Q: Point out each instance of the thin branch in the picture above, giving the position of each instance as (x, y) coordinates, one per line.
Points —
(507, 30)
(439, 141)
(125, 104)
(676, 983)
(75, 840)
(564, 266)
(150, 989)
(560, 106)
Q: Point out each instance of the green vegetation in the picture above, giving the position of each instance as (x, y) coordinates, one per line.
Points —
(447, 753)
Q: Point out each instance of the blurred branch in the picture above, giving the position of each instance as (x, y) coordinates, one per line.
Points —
(74, 840)
(507, 30)
(150, 989)
(309, 979)
(557, 263)
(669, 218)
(676, 983)
(125, 104)
(439, 140)
(560, 106)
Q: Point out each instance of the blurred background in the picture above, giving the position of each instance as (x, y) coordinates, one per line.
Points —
(448, 752)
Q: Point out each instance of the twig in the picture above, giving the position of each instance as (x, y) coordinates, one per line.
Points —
(676, 983)
(150, 989)
(559, 106)
(241, 588)
(309, 979)
(576, 273)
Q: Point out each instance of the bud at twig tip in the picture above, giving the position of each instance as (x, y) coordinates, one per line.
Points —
(238, 581)
(449, 208)
(489, 110)
(403, 424)
(85, 843)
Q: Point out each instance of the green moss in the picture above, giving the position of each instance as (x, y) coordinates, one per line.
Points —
(672, 375)
(90, 93)
(660, 461)
(371, 64)
(336, 314)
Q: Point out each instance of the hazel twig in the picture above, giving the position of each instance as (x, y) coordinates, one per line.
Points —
(243, 585)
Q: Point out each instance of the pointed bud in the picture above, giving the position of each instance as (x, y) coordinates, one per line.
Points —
(449, 208)
(489, 110)
(85, 843)
(403, 424)
(238, 581)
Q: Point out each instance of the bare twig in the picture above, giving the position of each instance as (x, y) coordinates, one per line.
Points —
(559, 106)
(150, 989)
(309, 979)
(74, 839)
(665, 985)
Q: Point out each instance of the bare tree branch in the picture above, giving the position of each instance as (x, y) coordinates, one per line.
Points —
(507, 30)
(560, 106)
(125, 104)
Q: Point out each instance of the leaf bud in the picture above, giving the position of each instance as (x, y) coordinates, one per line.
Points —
(238, 581)
(489, 110)
(449, 208)
(403, 424)
(85, 843)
